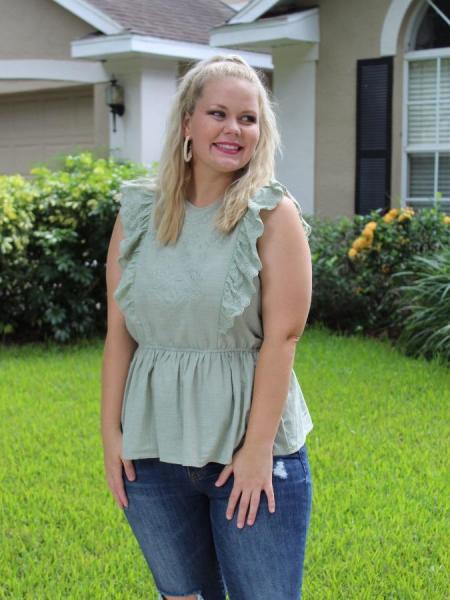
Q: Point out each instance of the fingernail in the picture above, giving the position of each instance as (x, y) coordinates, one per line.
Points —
(240, 525)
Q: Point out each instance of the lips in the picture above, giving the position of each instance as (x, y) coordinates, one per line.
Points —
(228, 147)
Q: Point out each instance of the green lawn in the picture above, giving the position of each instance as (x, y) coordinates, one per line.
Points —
(378, 454)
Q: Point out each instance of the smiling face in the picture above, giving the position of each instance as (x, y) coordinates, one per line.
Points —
(224, 127)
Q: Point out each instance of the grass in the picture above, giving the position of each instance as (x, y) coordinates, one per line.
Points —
(378, 455)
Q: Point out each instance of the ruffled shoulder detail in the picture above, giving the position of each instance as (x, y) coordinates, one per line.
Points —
(246, 264)
(136, 200)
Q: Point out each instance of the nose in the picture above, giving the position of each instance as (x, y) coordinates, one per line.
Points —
(231, 126)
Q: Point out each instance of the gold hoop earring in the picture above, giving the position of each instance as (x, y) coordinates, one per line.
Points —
(187, 155)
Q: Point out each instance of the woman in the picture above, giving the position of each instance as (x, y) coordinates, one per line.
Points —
(201, 409)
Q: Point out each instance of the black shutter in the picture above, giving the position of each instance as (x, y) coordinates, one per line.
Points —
(373, 134)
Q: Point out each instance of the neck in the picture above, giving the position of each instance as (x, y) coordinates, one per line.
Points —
(206, 188)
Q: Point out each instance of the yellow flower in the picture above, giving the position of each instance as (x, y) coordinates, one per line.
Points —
(393, 212)
(404, 216)
(359, 243)
(371, 225)
(388, 218)
(367, 234)
(352, 253)
(447, 219)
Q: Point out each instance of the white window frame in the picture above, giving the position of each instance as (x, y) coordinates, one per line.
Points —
(415, 55)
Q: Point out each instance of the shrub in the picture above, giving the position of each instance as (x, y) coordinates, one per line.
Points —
(422, 302)
(54, 234)
(354, 260)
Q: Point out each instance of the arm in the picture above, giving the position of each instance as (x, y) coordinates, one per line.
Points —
(118, 352)
(119, 345)
(286, 280)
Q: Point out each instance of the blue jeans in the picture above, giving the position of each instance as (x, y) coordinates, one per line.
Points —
(178, 517)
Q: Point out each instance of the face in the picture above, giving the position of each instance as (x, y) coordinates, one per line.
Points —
(224, 127)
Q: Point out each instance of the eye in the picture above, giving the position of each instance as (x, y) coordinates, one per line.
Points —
(251, 118)
(216, 112)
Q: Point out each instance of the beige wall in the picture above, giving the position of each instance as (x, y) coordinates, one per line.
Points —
(38, 29)
(349, 30)
(41, 29)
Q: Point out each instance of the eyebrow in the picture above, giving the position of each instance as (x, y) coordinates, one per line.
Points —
(246, 111)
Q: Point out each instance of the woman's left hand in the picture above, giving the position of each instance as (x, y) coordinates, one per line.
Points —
(252, 469)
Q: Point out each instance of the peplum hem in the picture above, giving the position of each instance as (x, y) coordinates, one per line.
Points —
(246, 264)
(191, 407)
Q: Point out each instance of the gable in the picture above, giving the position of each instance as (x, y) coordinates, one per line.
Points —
(38, 30)
(262, 9)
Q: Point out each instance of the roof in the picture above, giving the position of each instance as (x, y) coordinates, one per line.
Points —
(181, 20)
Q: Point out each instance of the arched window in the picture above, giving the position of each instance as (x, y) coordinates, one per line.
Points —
(427, 144)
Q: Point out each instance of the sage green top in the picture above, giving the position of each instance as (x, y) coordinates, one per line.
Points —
(194, 308)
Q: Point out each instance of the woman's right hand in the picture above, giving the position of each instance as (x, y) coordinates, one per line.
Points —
(113, 461)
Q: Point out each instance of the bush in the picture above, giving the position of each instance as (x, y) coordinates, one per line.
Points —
(422, 301)
(354, 261)
(54, 235)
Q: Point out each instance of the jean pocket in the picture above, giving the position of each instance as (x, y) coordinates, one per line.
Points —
(141, 468)
(303, 455)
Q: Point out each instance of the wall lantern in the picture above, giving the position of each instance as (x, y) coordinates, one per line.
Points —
(114, 99)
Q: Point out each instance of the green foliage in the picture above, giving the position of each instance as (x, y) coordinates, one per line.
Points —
(354, 260)
(422, 300)
(54, 235)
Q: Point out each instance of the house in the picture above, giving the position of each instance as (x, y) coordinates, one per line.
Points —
(362, 88)
(58, 56)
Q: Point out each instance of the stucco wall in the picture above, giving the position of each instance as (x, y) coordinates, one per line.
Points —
(41, 29)
(349, 30)
(38, 29)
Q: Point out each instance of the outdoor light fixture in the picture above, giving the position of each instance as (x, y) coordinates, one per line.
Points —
(114, 99)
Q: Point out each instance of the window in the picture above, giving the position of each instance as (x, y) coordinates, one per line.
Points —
(428, 111)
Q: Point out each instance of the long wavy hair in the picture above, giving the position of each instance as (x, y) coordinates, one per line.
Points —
(174, 174)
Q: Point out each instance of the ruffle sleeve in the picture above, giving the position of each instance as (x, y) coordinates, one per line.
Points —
(245, 263)
(136, 202)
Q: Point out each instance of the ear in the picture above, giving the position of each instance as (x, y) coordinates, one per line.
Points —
(186, 124)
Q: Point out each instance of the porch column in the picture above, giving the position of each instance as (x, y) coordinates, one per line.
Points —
(294, 87)
(149, 86)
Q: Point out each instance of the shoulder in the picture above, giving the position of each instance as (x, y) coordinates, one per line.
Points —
(136, 188)
(279, 209)
(136, 198)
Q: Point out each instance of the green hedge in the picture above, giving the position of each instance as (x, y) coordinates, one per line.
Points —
(354, 262)
(54, 234)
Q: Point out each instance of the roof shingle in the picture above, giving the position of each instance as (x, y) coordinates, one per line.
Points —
(181, 20)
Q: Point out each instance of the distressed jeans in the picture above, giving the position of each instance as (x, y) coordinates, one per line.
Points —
(178, 517)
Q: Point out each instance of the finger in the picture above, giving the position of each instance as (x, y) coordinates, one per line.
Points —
(225, 473)
(119, 490)
(254, 504)
(270, 499)
(232, 501)
(243, 507)
(129, 469)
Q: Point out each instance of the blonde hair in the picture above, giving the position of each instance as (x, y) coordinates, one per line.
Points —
(175, 174)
